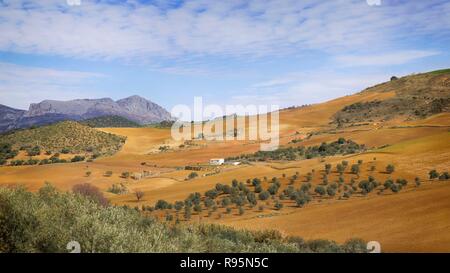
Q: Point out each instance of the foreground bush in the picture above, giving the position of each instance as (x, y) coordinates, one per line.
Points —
(47, 220)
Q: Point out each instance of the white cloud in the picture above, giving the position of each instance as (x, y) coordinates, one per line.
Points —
(393, 58)
(307, 88)
(132, 30)
(21, 84)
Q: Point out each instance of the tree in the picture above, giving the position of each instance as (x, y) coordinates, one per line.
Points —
(234, 183)
(433, 174)
(161, 204)
(108, 173)
(264, 195)
(340, 168)
(36, 150)
(226, 202)
(139, 194)
(305, 188)
(241, 210)
(367, 186)
(388, 183)
(238, 200)
(360, 162)
(178, 205)
(77, 158)
(331, 191)
(219, 187)
(198, 208)
(209, 202)
(325, 180)
(125, 174)
(327, 168)
(211, 194)
(187, 212)
(256, 182)
(444, 176)
(258, 189)
(91, 192)
(320, 190)
(278, 205)
(355, 169)
(395, 188)
(300, 201)
(417, 181)
(273, 189)
(88, 173)
(251, 197)
(402, 182)
(192, 175)
(390, 168)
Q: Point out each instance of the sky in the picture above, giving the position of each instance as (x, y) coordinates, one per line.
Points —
(284, 52)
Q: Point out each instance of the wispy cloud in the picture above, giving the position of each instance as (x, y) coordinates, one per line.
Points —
(307, 88)
(21, 84)
(134, 30)
(392, 58)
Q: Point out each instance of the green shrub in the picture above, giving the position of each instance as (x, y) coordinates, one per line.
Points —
(278, 205)
(320, 190)
(47, 220)
(264, 195)
(161, 205)
(36, 150)
(444, 176)
(390, 168)
(77, 158)
(355, 169)
(118, 189)
(192, 175)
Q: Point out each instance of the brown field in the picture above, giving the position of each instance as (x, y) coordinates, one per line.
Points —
(414, 220)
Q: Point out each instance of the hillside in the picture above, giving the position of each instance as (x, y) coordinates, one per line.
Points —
(117, 229)
(416, 97)
(110, 122)
(69, 135)
(323, 182)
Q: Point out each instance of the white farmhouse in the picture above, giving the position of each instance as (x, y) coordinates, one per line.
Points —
(217, 161)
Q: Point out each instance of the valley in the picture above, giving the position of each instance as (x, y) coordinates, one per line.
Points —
(413, 217)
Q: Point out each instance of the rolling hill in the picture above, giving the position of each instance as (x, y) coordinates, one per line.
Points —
(69, 135)
(409, 214)
(416, 97)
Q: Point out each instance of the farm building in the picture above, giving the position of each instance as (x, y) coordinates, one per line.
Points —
(216, 161)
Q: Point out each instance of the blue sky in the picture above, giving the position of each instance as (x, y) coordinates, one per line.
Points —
(286, 52)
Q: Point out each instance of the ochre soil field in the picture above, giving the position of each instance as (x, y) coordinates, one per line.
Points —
(416, 219)
(413, 221)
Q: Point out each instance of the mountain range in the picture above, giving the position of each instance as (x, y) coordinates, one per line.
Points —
(134, 108)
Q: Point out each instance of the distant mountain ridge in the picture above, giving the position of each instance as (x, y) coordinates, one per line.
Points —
(134, 108)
